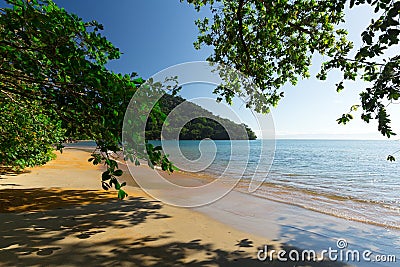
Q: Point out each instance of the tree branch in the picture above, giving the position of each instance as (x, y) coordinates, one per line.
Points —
(241, 36)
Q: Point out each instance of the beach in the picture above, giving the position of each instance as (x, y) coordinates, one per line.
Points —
(58, 215)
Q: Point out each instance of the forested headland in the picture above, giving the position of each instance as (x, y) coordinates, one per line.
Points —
(205, 124)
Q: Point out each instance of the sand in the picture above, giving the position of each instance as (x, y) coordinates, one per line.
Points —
(58, 215)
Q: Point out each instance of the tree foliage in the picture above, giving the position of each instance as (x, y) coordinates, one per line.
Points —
(204, 125)
(54, 82)
(27, 133)
(270, 41)
(274, 42)
(371, 64)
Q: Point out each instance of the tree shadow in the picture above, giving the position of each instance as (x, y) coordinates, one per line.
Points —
(147, 251)
(66, 229)
(32, 221)
(11, 172)
(38, 199)
(9, 184)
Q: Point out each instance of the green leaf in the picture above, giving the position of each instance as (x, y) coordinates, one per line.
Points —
(137, 163)
(354, 107)
(391, 158)
(339, 87)
(367, 38)
(174, 168)
(106, 176)
(117, 185)
(122, 194)
(105, 186)
(118, 172)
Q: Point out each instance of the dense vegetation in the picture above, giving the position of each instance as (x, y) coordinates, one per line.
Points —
(27, 134)
(54, 84)
(274, 42)
(54, 80)
(204, 125)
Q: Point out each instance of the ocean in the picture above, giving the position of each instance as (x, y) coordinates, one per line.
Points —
(350, 179)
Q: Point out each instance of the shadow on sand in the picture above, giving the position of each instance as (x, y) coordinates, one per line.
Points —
(38, 199)
(11, 172)
(52, 227)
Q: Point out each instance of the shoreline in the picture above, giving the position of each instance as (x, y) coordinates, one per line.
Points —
(309, 229)
(243, 184)
(238, 224)
(313, 203)
(58, 214)
(205, 178)
(356, 191)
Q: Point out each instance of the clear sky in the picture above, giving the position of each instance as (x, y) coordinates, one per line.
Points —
(155, 34)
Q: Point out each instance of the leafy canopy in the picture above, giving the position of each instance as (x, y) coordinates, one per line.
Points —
(273, 42)
(54, 84)
(27, 133)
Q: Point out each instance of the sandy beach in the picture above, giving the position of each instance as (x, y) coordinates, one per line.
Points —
(58, 215)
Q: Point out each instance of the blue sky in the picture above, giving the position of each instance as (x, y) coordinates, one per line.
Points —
(155, 34)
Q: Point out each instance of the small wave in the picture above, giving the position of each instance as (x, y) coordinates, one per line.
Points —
(350, 208)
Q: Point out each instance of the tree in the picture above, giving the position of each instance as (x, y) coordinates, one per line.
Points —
(53, 72)
(54, 81)
(273, 42)
(197, 123)
(27, 133)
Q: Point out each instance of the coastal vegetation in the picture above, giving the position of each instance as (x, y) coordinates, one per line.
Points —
(204, 125)
(55, 83)
(274, 42)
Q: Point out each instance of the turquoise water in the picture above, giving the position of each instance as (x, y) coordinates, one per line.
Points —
(345, 178)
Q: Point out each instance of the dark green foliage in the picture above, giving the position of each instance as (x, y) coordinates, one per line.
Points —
(274, 42)
(271, 41)
(54, 84)
(382, 34)
(56, 60)
(391, 158)
(27, 134)
(205, 124)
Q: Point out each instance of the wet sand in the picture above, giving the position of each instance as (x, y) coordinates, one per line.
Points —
(58, 215)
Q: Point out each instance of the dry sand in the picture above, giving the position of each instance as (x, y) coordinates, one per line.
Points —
(57, 215)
